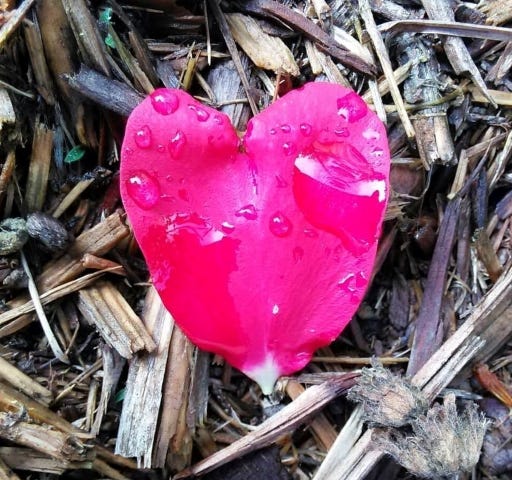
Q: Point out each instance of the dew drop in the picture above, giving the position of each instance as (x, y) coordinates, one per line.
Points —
(201, 114)
(377, 152)
(218, 119)
(311, 233)
(164, 102)
(280, 225)
(306, 129)
(143, 137)
(348, 283)
(371, 134)
(273, 131)
(227, 227)
(285, 128)
(341, 132)
(298, 254)
(351, 107)
(177, 143)
(275, 309)
(301, 359)
(160, 148)
(128, 151)
(143, 189)
(288, 148)
(248, 212)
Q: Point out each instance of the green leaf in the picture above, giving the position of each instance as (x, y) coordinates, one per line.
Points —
(75, 154)
(109, 40)
(106, 15)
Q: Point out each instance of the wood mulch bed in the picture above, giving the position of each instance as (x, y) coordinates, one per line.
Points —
(96, 381)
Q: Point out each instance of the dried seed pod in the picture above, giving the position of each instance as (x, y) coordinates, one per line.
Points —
(13, 235)
(444, 443)
(387, 399)
(48, 230)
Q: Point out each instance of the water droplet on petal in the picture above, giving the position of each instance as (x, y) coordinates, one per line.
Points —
(298, 254)
(273, 131)
(128, 151)
(348, 283)
(351, 107)
(285, 128)
(177, 143)
(371, 134)
(160, 148)
(227, 227)
(377, 152)
(248, 212)
(164, 102)
(306, 129)
(201, 114)
(288, 148)
(143, 189)
(361, 280)
(143, 137)
(341, 132)
(275, 309)
(310, 232)
(218, 119)
(280, 225)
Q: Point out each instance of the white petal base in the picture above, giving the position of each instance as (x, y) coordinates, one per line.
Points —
(265, 374)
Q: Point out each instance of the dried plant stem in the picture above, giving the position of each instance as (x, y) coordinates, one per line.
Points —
(41, 315)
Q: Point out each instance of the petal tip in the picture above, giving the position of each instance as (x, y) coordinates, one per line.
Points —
(265, 374)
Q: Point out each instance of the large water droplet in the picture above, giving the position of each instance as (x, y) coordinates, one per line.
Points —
(289, 148)
(164, 102)
(177, 143)
(298, 254)
(143, 137)
(285, 128)
(311, 233)
(196, 225)
(143, 189)
(201, 114)
(280, 225)
(341, 131)
(351, 107)
(275, 309)
(348, 283)
(227, 227)
(248, 212)
(371, 134)
(306, 129)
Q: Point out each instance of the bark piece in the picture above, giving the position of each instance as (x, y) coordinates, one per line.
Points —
(139, 418)
(267, 52)
(103, 306)
(39, 168)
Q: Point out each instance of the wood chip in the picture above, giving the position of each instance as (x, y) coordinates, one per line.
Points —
(103, 306)
(267, 52)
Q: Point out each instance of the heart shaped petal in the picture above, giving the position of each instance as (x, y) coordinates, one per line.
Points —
(261, 248)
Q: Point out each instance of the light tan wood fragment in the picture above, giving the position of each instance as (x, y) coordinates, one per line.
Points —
(267, 52)
(14, 20)
(103, 305)
(139, 417)
(27, 459)
(320, 425)
(20, 380)
(39, 168)
(42, 438)
(7, 115)
(34, 43)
